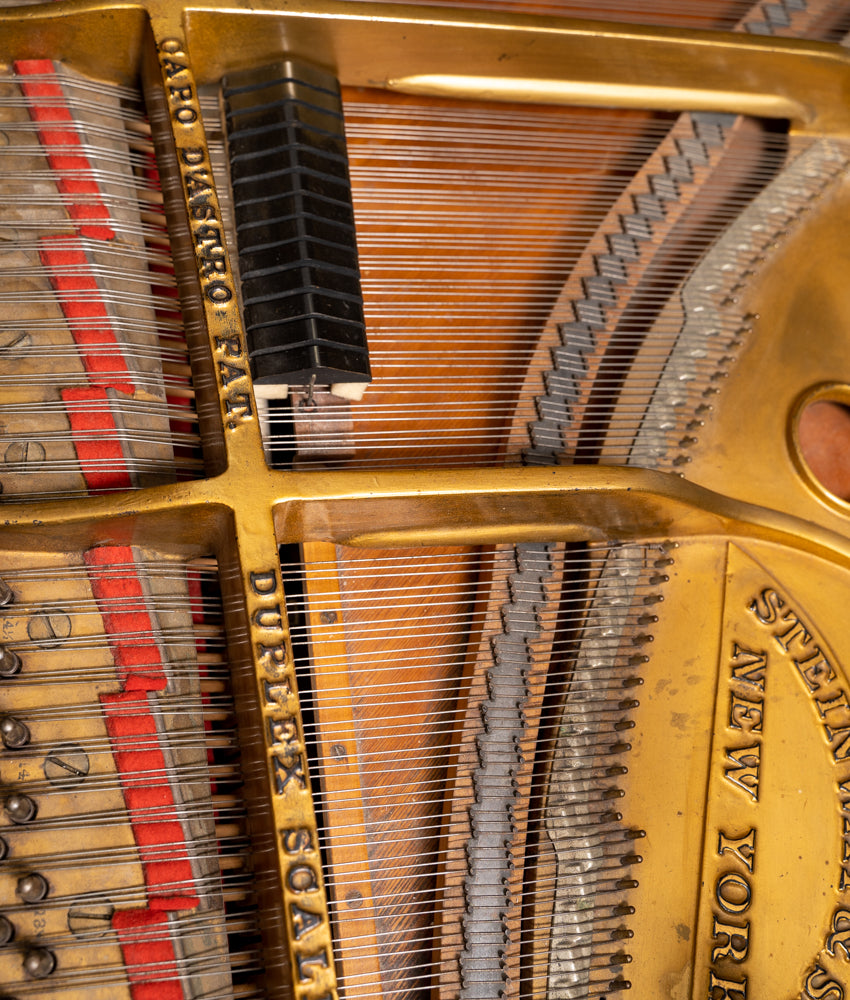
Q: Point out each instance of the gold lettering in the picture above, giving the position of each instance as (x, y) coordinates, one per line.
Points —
(748, 665)
(186, 115)
(268, 618)
(192, 155)
(302, 878)
(831, 704)
(796, 630)
(766, 606)
(746, 715)
(232, 346)
(733, 941)
(744, 769)
(238, 404)
(230, 372)
(277, 694)
(182, 93)
(197, 183)
(839, 742)
(819, 986)
(273, 660)
(303, 921)
(743, 848)
(817, 675)
(840, 936)
(309, 964)
(284, 773)
(733, 893)
(298, 841)
(283, 731)
(173, 68)
(726, 989)
(264, 582)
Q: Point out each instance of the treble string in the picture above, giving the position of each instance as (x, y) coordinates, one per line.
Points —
(92, 310)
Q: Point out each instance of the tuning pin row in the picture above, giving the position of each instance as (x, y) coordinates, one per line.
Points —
(38, 962)
(14, 734)
(33, 888)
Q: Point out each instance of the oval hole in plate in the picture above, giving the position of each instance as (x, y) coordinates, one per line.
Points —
(820, 440)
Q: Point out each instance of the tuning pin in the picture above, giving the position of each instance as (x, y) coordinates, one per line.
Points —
(10, 664)
(7, 930)
(7, 595)
(32, 888)
(13, 733)
(20, 808)
(4, 850)
(39, 963)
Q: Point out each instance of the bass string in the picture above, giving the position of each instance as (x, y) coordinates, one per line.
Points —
(400, 662)
(408, 836)
(411, 833)
(446, 624)
(212, 707)
(394, 438)
(419, 560)
(361, 601)
(410, 618)
(234, 849)
(420, 790)
(230, 882)
(80, 85)
(433, 907)
(403, 727)
(210, 670)
(237, 886)
(414, 758)
(394, 441)
(416, 615)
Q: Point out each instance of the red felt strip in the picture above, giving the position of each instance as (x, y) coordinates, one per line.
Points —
(96, 439)
(130, 719)
(99, 452)
(150, 802)
(75, 180)
(123, 607)
(82, 304)
(148, 954)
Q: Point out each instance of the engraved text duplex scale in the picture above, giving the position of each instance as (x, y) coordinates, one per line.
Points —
(618, 755)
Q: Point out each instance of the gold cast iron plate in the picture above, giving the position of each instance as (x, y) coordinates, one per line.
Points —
(243, 511)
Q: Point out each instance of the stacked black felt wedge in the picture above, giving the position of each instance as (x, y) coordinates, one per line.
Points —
(301, 295)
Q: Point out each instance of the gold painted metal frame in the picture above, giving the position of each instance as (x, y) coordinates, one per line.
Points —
(243, 511)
